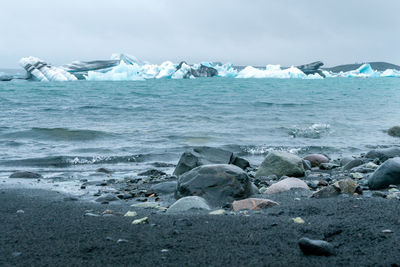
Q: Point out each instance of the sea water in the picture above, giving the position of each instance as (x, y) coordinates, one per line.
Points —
(59, 128)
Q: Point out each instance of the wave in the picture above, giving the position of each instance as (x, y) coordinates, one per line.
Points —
(67, 161)
(271, 104)
(315, 131)
(58, 134)
(263, 150)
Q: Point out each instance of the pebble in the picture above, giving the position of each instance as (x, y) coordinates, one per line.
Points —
(16, 254)
(356, 175)
(298, 220)
(20, 211)
(218, 212)
(144, 220)
(130, 214)
(387, 231)
(91, 214)
(122, 241)
(315, 247)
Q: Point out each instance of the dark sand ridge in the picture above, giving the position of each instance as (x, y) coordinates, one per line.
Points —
(53, 231)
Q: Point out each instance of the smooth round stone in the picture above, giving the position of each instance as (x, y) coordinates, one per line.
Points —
(316, 159)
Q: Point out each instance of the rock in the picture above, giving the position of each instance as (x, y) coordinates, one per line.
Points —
(356, 175)
(286, 185)
(388, 173)
(253, 204)
(316, 159)
(188, 203)
(107, 198)
(254, 189)
(104, 170)
(352, 164)
(218, 184)
(322, 183)
(347, 186)
(298, 220)
(144, 220)
(149, 205)
(384, 154)
(394, 131)
(325, 192)
(130, 214)
(379, 194)
(198, 156)
(164, 188)
(328, 166)
(307, 165)
(371, 165)
(280, 164)
(20, 211)
(218, 212)
(90, 214)
(345, 160)
(26, 175)
(152, 172)
(122, 241)
(316, 247)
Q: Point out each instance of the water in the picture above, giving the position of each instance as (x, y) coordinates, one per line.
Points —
(69, 127)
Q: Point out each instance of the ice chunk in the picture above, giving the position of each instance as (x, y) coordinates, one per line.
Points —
(271, 72)
(42, 71)
(167, 69)
(364, 71)
(122, 72)
(390, 73)
(182, 72)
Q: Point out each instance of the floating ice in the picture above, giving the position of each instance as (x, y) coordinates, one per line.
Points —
(42, 71)
(271, 71)
(122, 67)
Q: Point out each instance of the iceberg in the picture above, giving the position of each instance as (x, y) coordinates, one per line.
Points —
(390, 73)
(271, 71)
(364, 71)
(122, 67)
(42, 71)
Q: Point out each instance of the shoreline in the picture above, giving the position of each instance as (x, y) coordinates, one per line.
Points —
(55, 231)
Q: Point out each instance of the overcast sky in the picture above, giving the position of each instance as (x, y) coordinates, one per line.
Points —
(244, 32)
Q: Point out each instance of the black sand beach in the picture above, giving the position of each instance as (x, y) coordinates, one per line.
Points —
(53, 231)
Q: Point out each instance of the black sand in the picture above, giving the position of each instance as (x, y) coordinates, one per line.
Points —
(55, 232)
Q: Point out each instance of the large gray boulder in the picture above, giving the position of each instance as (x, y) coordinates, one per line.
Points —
(198, 156)
(384, 153)
(386, 174)
(394, 131)
(219, 184)
(281, 164)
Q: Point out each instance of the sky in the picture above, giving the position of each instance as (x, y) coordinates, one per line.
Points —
(243, 32)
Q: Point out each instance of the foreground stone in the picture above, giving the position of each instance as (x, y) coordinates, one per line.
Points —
(286, 185)
(107, 198)
(188, 203)
(164, 188)
(316, 247)
(386, 174)
(394, 131)
(384, 154)
(219, 184)
(316, 159)
(26, 175)
(326, 192)
(347, 186)
(144, 220)
(199, 156)
(253, 204)
(280, 164)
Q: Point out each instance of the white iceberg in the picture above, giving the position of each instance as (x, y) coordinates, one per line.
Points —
(271, 71)
(42, 71)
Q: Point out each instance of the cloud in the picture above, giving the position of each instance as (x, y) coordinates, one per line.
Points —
(243, 32)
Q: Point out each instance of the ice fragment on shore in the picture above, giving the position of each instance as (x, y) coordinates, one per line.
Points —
(130, 214)
(144, 220)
